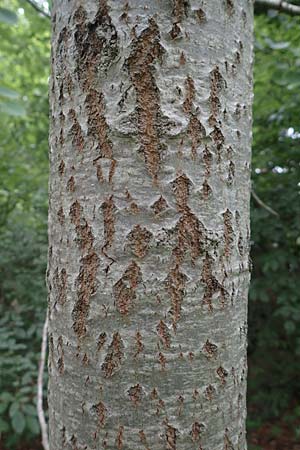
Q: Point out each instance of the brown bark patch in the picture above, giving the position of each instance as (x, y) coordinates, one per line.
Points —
(101, 341)
(207, 159)
(61, 216)
(201, 16)
(83, 230)
(98, 128)
(210, 350)
(60, 362)
(189, 96)
(171, 437)
(197, 429)
(135, 394)
(101, 412)
(125, 289)
(230, 7)
(113, 359)
(196, 132)
(61, 168)
(163, 333)
(228, 232)
(217, 83)
(175, 285)
(139, 344)
(211, 284)
(76, 131)
(139, 239)
(181, 187)
(86, 287)
(108, 208)
(159, 205)
(146, 50)
(60, 281)
(96, 43)
(162, 360)
(71, 184)
(119, 439)
(206, 190)
(180, 10)
(209, 392)
(190, 237)
(218, 139)
(228, 445)
(222, 373)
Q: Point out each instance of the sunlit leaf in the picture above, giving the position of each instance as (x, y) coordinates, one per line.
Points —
(12, 108)
(8, 93)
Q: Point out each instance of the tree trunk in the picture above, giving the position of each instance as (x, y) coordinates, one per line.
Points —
(149, 224)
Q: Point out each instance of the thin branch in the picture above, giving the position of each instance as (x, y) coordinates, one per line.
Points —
(38, 8)
(263, 204)
(281, 5)
(40, 409)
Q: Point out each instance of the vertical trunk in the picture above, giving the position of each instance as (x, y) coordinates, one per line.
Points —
(149, 224)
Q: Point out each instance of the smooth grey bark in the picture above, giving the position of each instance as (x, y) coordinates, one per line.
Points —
(149, 224)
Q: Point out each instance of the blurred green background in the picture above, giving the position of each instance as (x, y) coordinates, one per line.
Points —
(274, 307)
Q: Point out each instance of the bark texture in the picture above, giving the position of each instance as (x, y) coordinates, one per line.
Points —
(149, 224)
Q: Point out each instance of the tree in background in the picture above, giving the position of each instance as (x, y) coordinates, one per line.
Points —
(149, 224)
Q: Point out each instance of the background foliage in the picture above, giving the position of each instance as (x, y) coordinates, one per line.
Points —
(274, 311)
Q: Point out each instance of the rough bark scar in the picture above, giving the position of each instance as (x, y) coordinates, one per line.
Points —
(217, 83)
(101, 412)
(201, 16)
(139, 344)
(135, 394)
(231, 172)
(163, 333)
(60, 362)
(197, 429)
(175, 285)
(76, 131)
(61, 216)
(86, 287)
(60, 281)
(181, 187)
(230, 7)
(209, 392)
(222, 373)
(210, 282)
(206, 189)
(96, 43)
(97, 125)
(210, 350)
(159, 205)
(108, 207)
(171, 437)
(113, 359)
(83, 230)
(189, 96)
(61, 168)
(196, 130)
(180, 10)
(228, 232)
(146, 50)
(227, 442)
(207, 159)
(119, 440)
(162, 360)
(71, 184)
(139, 240)
(190, 237)
(125, 289)
(101, 341)
(218, 139)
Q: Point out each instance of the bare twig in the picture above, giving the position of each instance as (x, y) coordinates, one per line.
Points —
(40, 410)
(281, 5)
(38, 8)
(263, 204)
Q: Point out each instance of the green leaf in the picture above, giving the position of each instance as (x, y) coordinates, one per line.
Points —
(13, 409)
(12, 108)
(4, 427)
(33, 425)
(8, 93)
(18, 422)
(8, 16)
